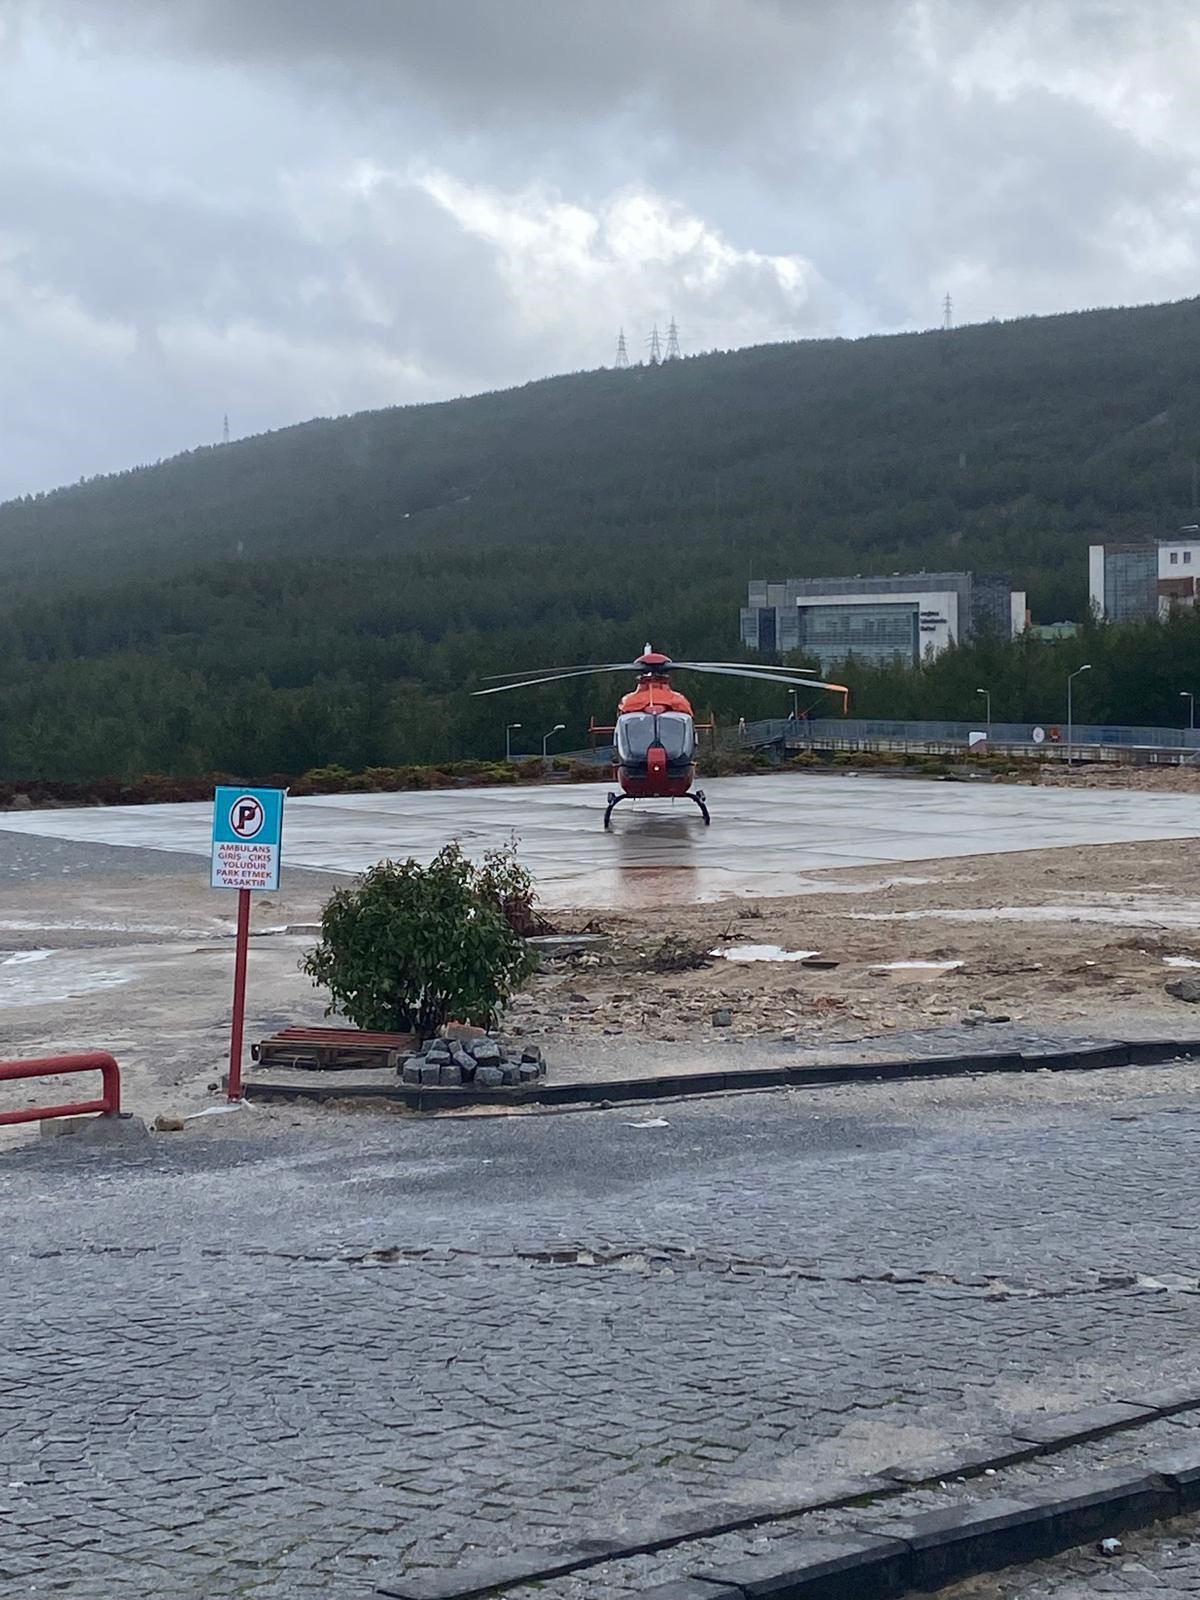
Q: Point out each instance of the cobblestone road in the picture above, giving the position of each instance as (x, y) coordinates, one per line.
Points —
(297, 1364)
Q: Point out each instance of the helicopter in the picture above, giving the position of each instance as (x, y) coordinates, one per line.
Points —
(655, 730)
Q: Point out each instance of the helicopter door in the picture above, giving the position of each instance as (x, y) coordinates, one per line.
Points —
(676, 732)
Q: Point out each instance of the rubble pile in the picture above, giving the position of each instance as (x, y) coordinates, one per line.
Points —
(482, 1063)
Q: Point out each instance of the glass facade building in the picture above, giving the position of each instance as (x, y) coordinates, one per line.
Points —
(904, 617)
(1145, 581)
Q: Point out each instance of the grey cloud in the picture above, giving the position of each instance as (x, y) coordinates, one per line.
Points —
(703, 68)
(210, 204)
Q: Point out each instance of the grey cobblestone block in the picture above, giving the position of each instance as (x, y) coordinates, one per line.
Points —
(1082, 1424)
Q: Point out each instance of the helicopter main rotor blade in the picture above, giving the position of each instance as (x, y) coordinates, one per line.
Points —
(533, 672)
(747, 666)
(554, 677)
(760, 676)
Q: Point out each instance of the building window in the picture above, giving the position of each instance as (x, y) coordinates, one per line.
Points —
(875, 633)
(1174, 558)
(1187, 558)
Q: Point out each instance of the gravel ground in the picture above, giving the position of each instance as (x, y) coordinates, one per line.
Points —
(121, 948)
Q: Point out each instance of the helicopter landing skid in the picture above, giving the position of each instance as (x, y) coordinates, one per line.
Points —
(614, 800)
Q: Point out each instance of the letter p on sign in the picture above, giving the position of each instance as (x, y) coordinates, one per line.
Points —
(246, 816)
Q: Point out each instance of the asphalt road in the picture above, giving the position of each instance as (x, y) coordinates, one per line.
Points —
(276, 1365)
(768, 835)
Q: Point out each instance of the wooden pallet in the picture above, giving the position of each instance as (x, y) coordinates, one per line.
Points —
(331, 1049)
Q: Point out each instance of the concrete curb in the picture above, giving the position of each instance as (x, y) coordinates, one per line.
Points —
(886, 1554)
(1083, 1058)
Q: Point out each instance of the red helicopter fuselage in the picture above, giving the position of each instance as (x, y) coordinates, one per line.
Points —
(654, 737)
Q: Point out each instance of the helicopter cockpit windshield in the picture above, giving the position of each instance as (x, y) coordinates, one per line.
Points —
(637, 731)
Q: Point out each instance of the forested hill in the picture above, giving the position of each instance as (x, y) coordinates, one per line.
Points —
(1008, 443)
(389, 553)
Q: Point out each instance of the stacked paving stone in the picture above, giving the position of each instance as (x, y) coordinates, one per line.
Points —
(480, 1063)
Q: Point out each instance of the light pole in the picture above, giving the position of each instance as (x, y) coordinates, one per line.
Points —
(795, 709)
(987, 695)
(557, 728)
(508, 733)
(1071, 676)
(1186, 694)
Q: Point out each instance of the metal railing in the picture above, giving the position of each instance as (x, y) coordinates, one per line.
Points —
(109, 1104)
(868, 731)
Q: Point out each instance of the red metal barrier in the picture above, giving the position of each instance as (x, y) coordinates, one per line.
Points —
(55, 1066)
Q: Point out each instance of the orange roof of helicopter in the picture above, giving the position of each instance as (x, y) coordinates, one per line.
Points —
(654, 694)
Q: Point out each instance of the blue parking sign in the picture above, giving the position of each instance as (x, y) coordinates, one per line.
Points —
(247, 837)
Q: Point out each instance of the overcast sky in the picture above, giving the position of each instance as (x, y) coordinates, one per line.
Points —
(287, 208)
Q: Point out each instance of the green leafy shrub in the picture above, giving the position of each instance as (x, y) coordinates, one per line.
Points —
(407, 948)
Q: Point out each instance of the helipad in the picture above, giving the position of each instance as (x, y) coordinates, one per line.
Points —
(768, 834)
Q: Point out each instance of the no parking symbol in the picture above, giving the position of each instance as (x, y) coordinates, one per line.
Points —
(246, 816)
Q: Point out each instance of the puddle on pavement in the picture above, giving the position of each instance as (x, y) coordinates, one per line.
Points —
(48, 977)
(763, 952)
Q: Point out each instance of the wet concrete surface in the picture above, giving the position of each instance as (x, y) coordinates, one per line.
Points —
(25, 857)
(767, 837)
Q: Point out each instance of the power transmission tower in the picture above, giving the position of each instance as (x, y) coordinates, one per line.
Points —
(225, 429)
(947, 312)
(622, 353)
(672, 342)
(655, 344)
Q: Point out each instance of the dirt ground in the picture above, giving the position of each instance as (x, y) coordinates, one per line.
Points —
(1034, 937)
(1167, 779)
(1067, 940)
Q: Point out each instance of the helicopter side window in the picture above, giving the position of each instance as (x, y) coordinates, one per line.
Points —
(677, 735)
(635, 735)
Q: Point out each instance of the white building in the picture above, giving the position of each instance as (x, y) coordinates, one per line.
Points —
(906, 617)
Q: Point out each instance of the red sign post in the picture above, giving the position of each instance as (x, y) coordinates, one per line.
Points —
(241, 951)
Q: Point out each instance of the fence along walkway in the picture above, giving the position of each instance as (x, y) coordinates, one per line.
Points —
(855, 733)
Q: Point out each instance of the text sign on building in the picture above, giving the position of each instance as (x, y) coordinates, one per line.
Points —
(246, 838)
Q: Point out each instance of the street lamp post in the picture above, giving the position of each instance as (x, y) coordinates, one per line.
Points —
(508, 733)
(795, 709)
(987, 695)
(1186, 694)
(1071, 676)
(557, 728)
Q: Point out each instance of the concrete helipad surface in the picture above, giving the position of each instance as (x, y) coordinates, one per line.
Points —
(768, 835)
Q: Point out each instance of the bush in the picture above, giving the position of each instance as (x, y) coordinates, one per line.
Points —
(407, 948)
